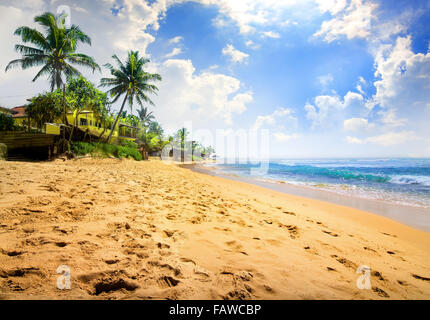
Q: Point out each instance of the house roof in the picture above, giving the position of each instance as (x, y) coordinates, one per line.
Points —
(125, 125)
(19, 112)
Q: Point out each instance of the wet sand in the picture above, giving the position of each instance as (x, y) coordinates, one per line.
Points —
(150, 230)
(416, 217)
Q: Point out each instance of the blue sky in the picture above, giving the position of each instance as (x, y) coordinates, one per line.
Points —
(326, 78)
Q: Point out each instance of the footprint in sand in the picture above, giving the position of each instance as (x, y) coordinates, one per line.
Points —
(369, 249)
(330, 233)
(347, 263)
(167, 282)
(381, 292)
(12, 253)
(237, 247)
(420, 277)
(289, 213)
(109, 285)
(292, 230)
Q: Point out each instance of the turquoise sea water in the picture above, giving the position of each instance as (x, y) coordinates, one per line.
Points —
(402, 181)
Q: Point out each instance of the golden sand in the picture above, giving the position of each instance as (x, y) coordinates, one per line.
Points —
(149, 230)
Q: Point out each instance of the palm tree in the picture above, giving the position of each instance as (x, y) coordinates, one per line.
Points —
(54, 49)
(145, 116)
(130, 79)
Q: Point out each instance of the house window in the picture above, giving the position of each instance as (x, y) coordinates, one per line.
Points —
(83, 122)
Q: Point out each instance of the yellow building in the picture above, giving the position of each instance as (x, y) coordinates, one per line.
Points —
(85, 121)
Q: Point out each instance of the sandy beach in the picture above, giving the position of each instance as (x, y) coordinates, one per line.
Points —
(151, 230)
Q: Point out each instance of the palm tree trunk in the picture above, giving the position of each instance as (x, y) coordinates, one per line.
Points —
(66, 122)
(103, 132)
(116, 119)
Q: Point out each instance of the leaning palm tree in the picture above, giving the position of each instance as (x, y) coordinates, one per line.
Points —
(145, 116)
(130, 79)
(54, 49)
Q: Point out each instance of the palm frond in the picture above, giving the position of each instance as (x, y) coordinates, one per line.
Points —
(46, 69)
(25, 50)
(83, 60)
(32, 35)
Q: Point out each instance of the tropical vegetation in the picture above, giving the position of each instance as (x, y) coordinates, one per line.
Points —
(94, 149)
(55, 50)
(130, 80)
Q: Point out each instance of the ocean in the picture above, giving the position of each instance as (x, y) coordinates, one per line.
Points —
(401, 181)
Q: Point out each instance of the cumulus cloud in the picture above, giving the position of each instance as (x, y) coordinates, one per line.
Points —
(270, 34)
(249, 14)
(176, 39)
(352, 22)
(403, 76)
(280, 114)
(173, 53)
(207, 99)
(357, 124)
(235, 55)
(251, 44)
(328, 108)
(332, 6)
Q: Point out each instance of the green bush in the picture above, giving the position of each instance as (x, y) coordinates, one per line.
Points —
(6, 122)
(129, 151)
(129, 144)
(82, 148)
(107, 149)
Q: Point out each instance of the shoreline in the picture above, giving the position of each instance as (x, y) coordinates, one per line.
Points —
(415, 217)
(151, 230)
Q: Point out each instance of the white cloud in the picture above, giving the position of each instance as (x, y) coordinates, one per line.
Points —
(134, 20)
(357, 124)
(176, 40)
(79, 9)
(353, 22)
(389, 118)
(354, 140)
(249, 14)
(352, 99)
(332, 6)
(235, 55)
(327, 109)
(270, 34)
(402, 87)
(173, 53)
(251, 44)
(279, 114)
(207, 99)
(403, 76)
